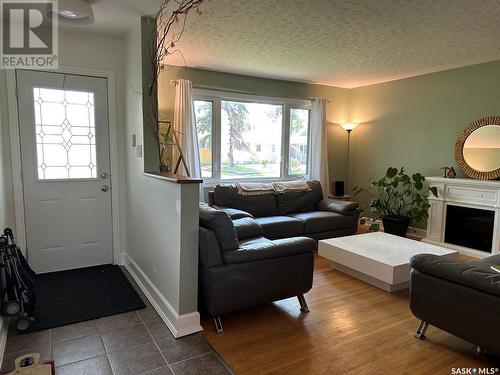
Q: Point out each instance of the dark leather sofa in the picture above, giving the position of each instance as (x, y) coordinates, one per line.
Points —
(289, 214)
(256, 249)
(239, 268)
(462, 298)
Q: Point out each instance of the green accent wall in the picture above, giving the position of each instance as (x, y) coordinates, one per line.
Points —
(415, 122)
(412, 122)
(150, 147)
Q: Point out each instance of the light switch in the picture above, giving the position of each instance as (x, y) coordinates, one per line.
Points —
(133, 140)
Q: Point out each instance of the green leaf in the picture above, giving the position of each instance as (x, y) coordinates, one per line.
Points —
(417, 177)
(434, 191)
(391, 172)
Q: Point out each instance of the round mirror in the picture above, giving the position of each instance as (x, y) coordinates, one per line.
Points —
(478, 149)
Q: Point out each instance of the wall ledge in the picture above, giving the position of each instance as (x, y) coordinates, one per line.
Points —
(179, 325)
(175, 178)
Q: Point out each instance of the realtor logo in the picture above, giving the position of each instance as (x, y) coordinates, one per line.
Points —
(29, 35)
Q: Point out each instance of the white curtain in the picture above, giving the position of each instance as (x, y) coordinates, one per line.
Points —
(319, 144)
(185, 128)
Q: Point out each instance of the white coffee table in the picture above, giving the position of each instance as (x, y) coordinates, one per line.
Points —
(378, 258)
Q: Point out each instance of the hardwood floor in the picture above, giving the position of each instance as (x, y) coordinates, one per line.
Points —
(353, 328)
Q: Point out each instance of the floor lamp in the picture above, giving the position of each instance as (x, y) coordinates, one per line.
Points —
(348, 127)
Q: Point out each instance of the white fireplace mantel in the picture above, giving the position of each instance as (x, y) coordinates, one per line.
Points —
(465, 192)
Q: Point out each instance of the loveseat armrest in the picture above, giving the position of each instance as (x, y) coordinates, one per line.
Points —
(340, 207)
(474, 274)
(209, 249)
(233, 213)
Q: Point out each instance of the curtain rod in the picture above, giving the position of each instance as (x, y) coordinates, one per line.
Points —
(232, 91)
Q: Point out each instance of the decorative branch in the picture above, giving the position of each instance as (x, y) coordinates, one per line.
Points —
(163, 43)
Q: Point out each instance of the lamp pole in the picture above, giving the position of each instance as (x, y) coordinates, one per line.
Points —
(347, 161)
(348, 127)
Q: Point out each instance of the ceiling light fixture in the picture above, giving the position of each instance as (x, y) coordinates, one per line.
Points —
(74, 12)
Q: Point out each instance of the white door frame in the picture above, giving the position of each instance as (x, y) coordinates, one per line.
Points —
(15, 147)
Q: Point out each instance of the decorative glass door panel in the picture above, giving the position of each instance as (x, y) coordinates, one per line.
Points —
(65, 134)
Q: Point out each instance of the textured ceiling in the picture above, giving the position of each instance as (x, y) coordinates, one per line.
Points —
(333, 42)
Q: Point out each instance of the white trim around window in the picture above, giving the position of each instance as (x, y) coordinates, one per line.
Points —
(216, 97)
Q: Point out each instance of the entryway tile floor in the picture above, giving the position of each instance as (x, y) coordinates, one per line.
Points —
(136, 342)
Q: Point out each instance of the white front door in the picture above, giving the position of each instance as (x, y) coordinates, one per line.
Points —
(63, 121)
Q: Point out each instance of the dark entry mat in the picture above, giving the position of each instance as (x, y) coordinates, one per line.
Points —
(74, 296)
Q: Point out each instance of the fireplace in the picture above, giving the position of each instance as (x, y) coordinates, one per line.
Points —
(465, 215)
(469, 227)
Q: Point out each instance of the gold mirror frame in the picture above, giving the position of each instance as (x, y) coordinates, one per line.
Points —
(459, 149)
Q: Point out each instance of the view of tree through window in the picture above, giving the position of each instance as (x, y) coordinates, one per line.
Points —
(299, 135)
(204, 121)
(250, 140)
(247, 138)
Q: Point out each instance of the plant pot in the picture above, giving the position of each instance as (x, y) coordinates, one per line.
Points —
(397, 225)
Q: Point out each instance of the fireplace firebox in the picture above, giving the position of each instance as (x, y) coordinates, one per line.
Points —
(469, 227)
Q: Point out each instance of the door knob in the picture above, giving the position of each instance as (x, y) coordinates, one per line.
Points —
(105, 188)
(104, 175)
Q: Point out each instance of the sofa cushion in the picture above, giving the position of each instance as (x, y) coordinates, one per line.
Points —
(233, 213)
(246, 228)
(261, 248)
(280, 226)
(474, 274)
(299, 201)
(492, 260)
(322, 221)
(221, 224)
(226, 195)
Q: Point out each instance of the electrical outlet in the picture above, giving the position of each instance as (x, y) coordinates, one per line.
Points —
(138, 151)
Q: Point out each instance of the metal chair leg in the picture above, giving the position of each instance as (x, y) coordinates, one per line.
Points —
(303, 304)
(480, 350)
(218, 324)
(420, 333)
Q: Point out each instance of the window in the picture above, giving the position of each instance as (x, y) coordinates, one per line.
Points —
(204, 120)
(65, 134)
(250, 137)
(299, 136)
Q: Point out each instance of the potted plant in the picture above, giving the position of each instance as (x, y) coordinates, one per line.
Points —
(399, 199)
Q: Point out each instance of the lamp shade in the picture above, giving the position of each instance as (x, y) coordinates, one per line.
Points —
(349, 126)
(77, 12)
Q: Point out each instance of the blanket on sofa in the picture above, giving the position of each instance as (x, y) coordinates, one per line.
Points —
(285, 186)
(260, 188)
(254, 188)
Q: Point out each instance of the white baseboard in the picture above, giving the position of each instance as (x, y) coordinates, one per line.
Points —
(179, 325)
(412, 231)
(4, 330)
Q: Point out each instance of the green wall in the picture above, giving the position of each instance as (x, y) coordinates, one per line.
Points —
(337, 110)
(411, 122)
(415, 122)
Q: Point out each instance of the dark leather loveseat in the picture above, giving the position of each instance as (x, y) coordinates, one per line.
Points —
(462, 298)
(256, 249)
(289, 214)
(239, 268)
